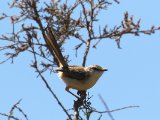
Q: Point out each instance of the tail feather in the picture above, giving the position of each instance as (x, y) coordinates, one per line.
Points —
(54, 48)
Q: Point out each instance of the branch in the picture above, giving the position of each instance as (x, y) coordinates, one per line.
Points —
(118, 109)
(106, 106)
(47, 85)
(89, 29)
(23, 113)
(14, 107)
(9, 116)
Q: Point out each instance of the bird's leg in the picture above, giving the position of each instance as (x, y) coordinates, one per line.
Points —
(67, 89)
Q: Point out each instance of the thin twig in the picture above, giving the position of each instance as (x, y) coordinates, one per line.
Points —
(118, 109)
(106, 106)
(23, 113)
(13, 107)
(9, 116)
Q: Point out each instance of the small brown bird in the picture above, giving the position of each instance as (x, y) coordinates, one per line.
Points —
(81, 78)
(76, 77)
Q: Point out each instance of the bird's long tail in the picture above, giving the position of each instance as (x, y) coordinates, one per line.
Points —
(54, 48)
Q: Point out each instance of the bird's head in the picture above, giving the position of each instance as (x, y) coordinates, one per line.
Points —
(96, 68)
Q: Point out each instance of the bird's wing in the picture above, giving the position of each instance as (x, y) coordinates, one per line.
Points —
(54, 48)
(75, 72)
(79, 75)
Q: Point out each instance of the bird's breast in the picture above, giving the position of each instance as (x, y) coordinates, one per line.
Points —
(81, 84)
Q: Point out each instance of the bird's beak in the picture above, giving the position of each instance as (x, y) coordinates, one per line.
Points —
(104, 69)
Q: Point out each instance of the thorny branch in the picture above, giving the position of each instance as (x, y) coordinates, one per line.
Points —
(65, 25)
(35, 17)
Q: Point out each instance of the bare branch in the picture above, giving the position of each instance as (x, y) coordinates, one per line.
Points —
(11, 112)
(118, 109)
(47, 85)
(12, 109)
(8, 116)
(106, 106)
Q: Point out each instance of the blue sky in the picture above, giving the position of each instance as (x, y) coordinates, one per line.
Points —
(133, 77)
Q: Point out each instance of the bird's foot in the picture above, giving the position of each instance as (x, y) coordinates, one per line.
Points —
(82, 94)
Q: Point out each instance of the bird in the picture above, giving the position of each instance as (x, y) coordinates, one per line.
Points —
(80, 78)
